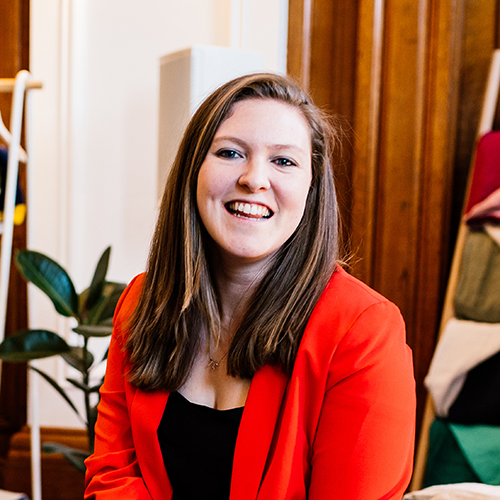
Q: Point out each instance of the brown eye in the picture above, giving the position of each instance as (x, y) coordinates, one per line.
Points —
(285, 162)
(228, 153)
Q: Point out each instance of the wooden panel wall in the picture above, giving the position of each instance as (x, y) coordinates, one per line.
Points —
(394, 69)
(14, 44)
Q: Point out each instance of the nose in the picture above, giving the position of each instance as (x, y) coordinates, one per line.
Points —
(255, 176)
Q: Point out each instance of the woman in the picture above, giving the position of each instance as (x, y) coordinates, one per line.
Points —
(246, 363)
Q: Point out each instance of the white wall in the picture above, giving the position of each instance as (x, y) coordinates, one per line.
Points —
(94, 130)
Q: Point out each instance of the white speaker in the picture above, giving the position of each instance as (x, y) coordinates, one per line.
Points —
(186, 78)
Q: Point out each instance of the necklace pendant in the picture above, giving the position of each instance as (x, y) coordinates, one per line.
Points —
(213, 364)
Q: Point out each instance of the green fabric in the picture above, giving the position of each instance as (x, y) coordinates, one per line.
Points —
(477, 296)
(446, 463)
(480, 444)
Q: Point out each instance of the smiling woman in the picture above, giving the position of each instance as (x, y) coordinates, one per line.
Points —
(253, 184)
(245, 363)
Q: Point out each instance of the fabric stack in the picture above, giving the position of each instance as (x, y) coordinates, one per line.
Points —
(464, 376)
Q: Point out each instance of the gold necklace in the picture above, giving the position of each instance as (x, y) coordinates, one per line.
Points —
(212, 364)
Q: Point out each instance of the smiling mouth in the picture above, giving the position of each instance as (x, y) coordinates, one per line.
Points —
(248, 210)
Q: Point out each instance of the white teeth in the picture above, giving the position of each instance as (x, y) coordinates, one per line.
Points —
(249, 209)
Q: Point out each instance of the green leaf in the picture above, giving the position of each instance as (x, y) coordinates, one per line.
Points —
(32, 344)
(84, 387)
(105, 357)
(82, 301)
(79, 358)
(98, 280)
(94, 330)
(105, 306)
(51, 278)
(74, 456)
(93, 416)
(59, 389)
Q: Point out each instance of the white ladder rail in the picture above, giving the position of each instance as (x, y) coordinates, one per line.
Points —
(18, 86)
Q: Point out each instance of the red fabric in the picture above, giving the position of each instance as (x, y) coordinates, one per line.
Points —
(483, 204)
(342, 426)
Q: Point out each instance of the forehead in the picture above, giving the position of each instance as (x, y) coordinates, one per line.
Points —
(268, 114)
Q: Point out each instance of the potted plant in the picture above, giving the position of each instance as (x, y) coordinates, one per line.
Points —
(93, 311)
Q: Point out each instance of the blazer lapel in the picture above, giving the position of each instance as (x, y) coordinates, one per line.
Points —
(147, 411)
(256, 432)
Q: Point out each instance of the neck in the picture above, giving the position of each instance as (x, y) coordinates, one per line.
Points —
(235, 282)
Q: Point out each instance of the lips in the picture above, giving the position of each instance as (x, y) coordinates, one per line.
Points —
(248, 210)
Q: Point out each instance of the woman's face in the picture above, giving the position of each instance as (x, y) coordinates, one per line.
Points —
(253, 184)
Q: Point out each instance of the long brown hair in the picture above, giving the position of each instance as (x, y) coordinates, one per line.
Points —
(178, 294)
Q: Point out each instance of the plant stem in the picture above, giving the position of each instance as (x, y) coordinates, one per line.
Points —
(86, 379)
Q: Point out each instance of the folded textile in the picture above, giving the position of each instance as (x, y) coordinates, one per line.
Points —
(462, 346)
(446, 462)
(478, 402)
(485, 210)
(480, 445)
(459, 491)
(477, 295)
(483, 204)
(494, 232)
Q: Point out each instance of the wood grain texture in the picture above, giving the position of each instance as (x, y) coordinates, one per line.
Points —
(333, 59)
(398, 171)
(367, 134)
(299, 41)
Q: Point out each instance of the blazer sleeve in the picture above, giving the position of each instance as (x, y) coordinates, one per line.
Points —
(363, 447)
(113, 470)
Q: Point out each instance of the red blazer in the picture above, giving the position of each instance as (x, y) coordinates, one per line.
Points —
(341, 427)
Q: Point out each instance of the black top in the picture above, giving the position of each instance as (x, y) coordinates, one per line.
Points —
(197, 443)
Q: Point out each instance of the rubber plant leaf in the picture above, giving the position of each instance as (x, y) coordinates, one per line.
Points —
(32, 344)
(93, 415)
(106, 305)
(97, 284)
(79, 358)
(59, 389)
(83, 387)
(74, 456)
(105, 356)
(94, 330)
(51, 278)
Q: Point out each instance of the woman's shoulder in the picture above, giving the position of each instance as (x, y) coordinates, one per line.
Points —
(347, 291)
(347, 301)
(128, 301)
(131, 294)
(352, 322)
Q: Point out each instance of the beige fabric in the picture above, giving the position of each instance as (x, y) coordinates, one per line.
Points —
(494, 232)
(477, 296)
(9, 495)
(462, 346)
(460, 491)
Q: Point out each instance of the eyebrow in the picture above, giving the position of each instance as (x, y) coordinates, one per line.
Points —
(243, 143)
